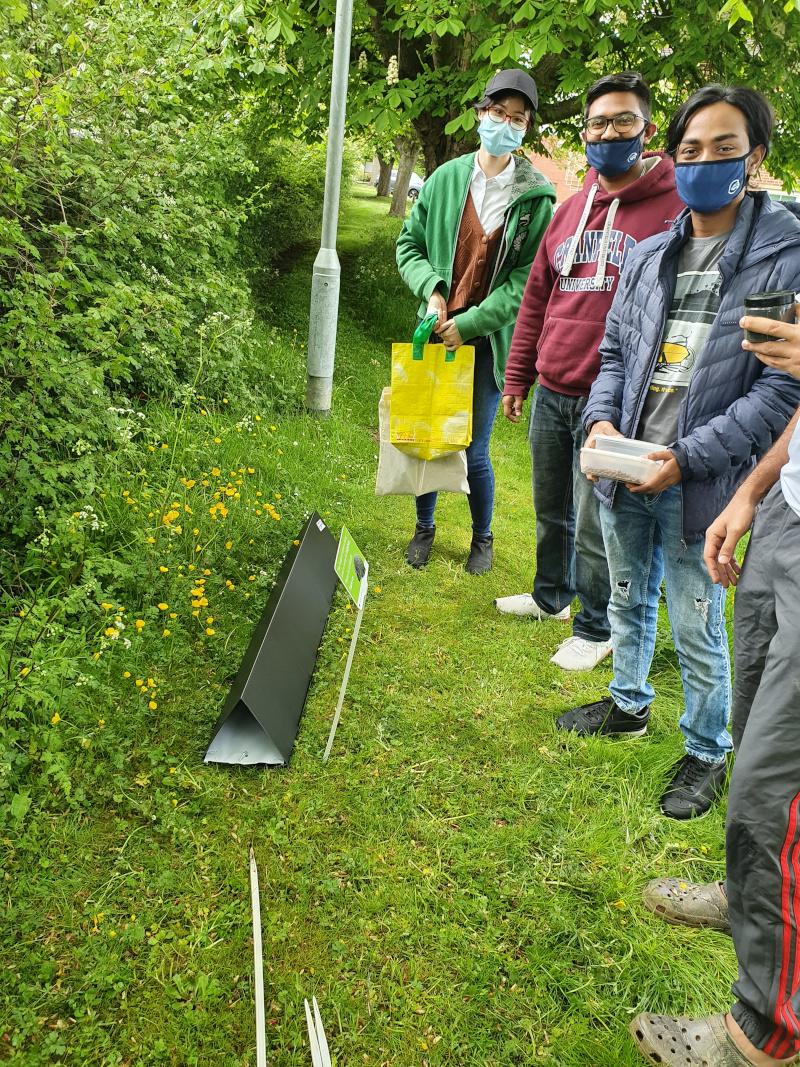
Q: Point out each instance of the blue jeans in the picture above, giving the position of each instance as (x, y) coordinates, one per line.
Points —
(570, 555)
(643, 536)
(480, 476)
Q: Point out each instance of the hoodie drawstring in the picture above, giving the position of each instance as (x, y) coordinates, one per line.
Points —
(602, 256)
(575, 241)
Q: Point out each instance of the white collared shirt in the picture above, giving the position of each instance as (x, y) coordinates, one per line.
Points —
(491, 195)
(790, 473)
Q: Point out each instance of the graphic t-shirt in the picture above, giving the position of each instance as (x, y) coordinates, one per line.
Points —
(694, 308)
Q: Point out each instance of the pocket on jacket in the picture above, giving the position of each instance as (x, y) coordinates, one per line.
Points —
(567, 352)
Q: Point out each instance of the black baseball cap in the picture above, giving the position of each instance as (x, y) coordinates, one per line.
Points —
(511, 81)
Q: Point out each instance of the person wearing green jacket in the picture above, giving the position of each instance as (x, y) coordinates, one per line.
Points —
(466, 252)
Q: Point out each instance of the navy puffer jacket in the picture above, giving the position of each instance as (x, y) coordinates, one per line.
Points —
(735, 406)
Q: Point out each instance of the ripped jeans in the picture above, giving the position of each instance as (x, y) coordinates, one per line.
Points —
(642, 535)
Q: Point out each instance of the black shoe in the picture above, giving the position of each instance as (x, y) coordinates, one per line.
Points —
(694, 788)
(420, 546)
(604, 718)
(480, 555)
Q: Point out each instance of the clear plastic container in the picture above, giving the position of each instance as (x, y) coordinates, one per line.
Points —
(621, 459)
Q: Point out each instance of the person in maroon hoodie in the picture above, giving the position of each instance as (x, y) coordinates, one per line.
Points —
(628, 194)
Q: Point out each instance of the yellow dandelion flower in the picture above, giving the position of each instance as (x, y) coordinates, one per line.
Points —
(150, 448)
(191, 567)
(25, 672)
(165, 633)
(139, 681)
(195, 613)
(173, 615)
(259, 512)
(197, 548)
(127, 674)
(206, 573)
(272, 427)
(215, 472)
(229, 544)
(204, 602)
(150, 682)
(252, 578)
(224, 401)
(151, 540)
(210, 632)
(251, 470)
(295, 542)
(164, 446)
(163, 569)
(210, 619)
(152, 705)
(163, 607)
(377, 589)
(258, 418)
(217, 440)
(203, 411)
(139, 623)
(280, 451)
(195, 532)
(56, 719)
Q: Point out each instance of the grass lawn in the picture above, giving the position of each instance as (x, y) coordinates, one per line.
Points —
(457, 885)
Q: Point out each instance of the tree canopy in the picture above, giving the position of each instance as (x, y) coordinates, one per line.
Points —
(426, 62)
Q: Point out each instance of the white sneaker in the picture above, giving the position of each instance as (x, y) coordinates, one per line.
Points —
(524, 604)
(578, 654)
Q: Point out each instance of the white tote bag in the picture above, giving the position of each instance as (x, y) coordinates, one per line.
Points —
(403, 475)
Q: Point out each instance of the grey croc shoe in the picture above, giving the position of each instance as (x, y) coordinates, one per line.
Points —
(686, 1042)
(688, 904)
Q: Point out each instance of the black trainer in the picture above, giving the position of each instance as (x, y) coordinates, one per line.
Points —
(694, 788)
(604, 718)
(480, 555)
(420, 546)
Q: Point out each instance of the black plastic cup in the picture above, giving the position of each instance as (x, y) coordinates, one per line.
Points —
(777, 305)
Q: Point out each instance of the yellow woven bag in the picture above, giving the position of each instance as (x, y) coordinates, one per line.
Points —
(431, 408)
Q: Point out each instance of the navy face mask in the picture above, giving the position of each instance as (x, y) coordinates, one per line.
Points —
(611, 158)
(706, 187)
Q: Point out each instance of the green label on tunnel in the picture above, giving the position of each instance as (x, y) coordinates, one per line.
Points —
(352, 567)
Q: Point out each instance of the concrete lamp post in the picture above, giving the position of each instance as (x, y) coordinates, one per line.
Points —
(327, 272)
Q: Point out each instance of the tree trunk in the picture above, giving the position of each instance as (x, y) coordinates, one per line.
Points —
(437, 146)
(385, 175)
(408, 152)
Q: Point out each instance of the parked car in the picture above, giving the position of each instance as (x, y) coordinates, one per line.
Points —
(414, 185)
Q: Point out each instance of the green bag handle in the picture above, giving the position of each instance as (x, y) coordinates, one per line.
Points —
(422, 336)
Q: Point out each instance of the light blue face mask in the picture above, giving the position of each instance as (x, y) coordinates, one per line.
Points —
(498, 138)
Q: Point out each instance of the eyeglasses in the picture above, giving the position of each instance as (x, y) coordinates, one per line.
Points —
(498, 115)
(622, 123)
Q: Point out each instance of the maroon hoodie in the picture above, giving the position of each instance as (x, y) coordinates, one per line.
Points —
(562, 317)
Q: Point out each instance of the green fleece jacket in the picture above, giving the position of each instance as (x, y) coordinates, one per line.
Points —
(427, 244)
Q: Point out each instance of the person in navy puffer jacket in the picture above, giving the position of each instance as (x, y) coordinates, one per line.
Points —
(674, 372)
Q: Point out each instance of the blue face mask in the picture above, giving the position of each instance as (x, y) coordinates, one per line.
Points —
(706, 187)
(498, 138)
(611, 158)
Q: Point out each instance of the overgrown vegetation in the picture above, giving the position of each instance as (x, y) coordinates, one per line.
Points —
(458, 884)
